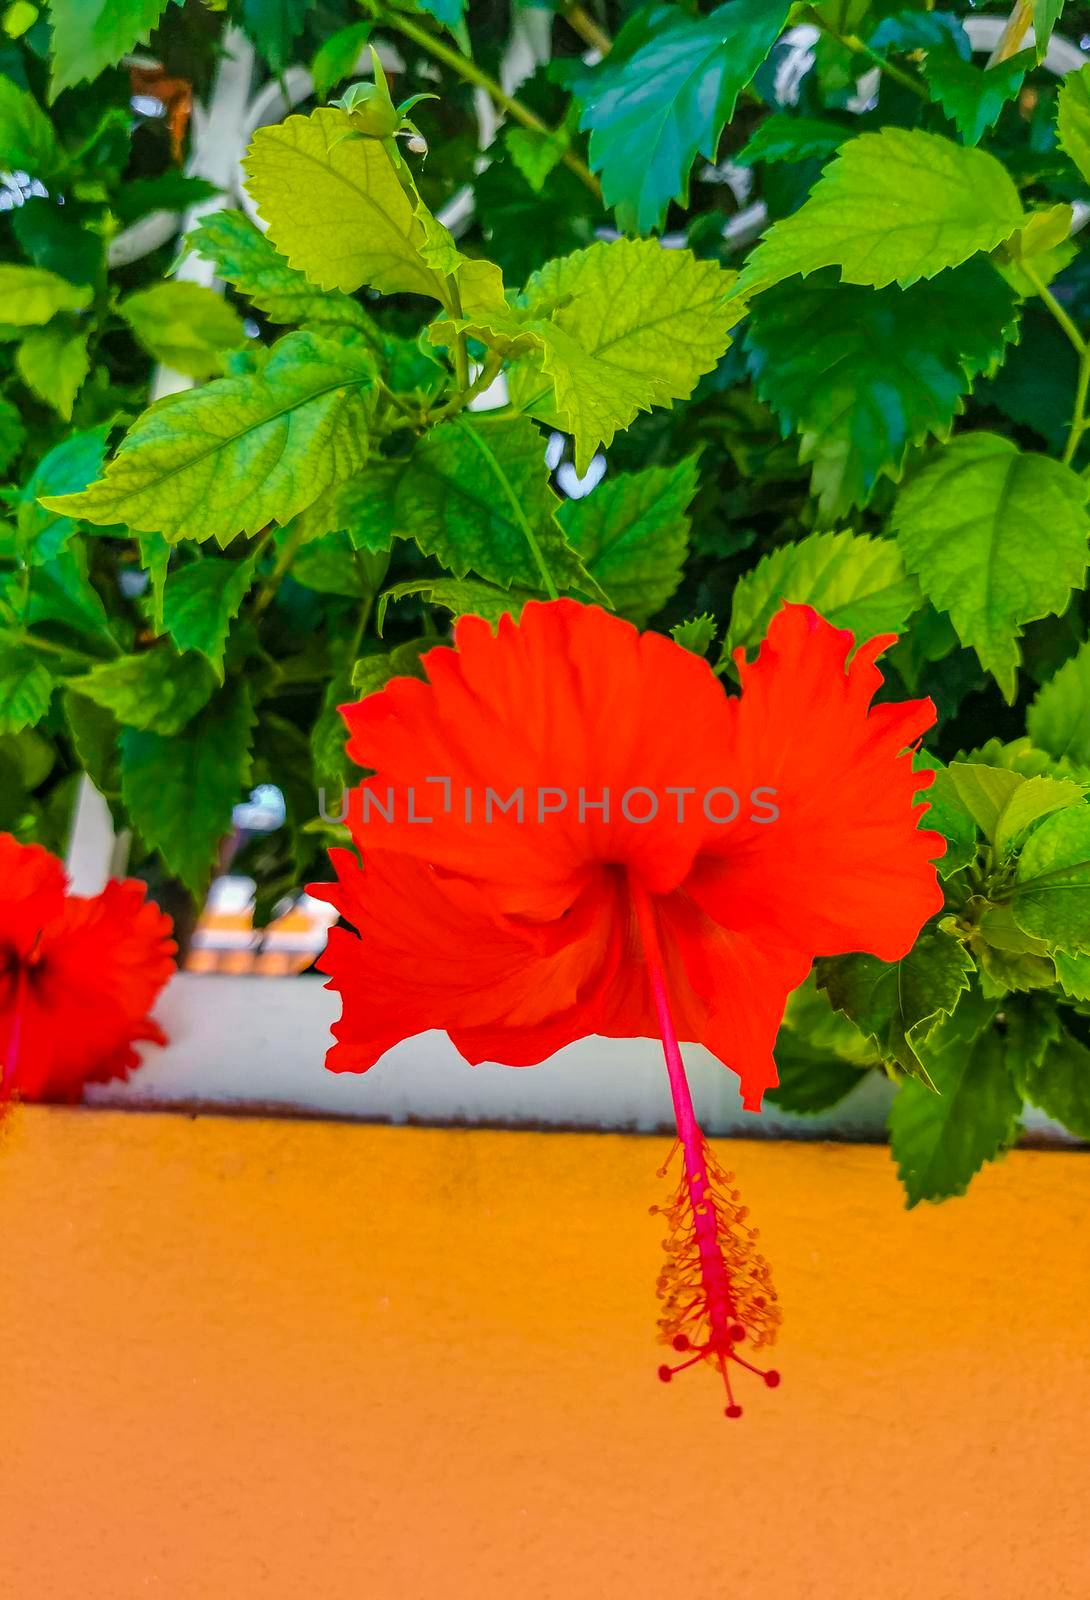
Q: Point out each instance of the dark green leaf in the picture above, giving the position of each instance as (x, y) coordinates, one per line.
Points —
(199, 602)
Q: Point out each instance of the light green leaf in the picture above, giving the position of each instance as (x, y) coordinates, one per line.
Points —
(460, 596)
(892, 207)
(663, 96)
(1051, 895)
(854, 581)
(632, 326)
(973, 96)
(184, 325)
(783, 137)
(336, 209)
(157, 689)
(948, 815)
(941, 1140)
(897, 1004)
(27, 140)
(25, 688)
(477, 495)
(241, 452)
(374, 672)
(180, 791)
(535, 154)
(1036, 798)
(89, 35)
(53, 362)
(12, 433)
(1059, 718)
(1059, 1083)
(31, 295)
(337, 56)
(863, 374)
(1073, 974)
(363, 506)
(1003, 802)
(697, 634)
(969, 524)
(1073, 118)
(200, 600)
(70, 466)
(632, 533)
(243, 256)
(331, 566)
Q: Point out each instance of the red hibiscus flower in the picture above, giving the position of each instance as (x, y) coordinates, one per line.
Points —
(77, 977)
(572, 829)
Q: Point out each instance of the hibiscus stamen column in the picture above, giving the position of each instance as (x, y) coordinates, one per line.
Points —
(716, 1288)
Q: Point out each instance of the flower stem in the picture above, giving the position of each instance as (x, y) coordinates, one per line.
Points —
(470, 72)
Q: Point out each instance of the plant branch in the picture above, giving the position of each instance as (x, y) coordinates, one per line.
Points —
(1050, 302)
(582, 23)
(1079, 422)
(1012, 38)
(889, 69)
(470, 72)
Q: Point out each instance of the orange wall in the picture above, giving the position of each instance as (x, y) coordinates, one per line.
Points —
(250, 1359)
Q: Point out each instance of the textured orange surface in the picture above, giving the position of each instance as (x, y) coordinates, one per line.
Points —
(250, 1359)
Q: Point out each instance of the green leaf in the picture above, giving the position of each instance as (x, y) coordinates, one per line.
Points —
(854, 581)
(329, 734)
(374, 672)
(1051, 895)
(1073, 118)
(95, 734)
(810, 1082)
(1036, 798)
(337, 56)
(968, 524)
(157, 690)
(460, 596)
(89, 35)
(652, 109)
(274, 26)
(25, 689)
(53, 362)
(240, 452)
(61, 592)
(633, 326)
(477, 495)
(330, 566)
(897, 1004)
(1059, 718)
(863, 374)
(783, 137)
(70, 466)
(1046, 14)
(632, 533)
(180, 791)
(535, 154)
(972, 96)
(941, 1140)
(336, 209)
(1059, 1083)
(27, 140)
(1003, 802)
(31, 295)
(12, 433)
(184, 325)
(697, 634)
(892, 207)
(1073, 974)
(448, 12)
(948, 815)
(172, 190)
(363, 506)
(199, 602)
(243, 256)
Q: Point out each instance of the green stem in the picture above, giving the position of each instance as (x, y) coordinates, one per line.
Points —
(470, 72)
(889, 69)
(588, 30)
(461, 355)
(516, 506)
(1048, 299)
(286, 556)
(52, 649)
(487, 375)
(1078, 420)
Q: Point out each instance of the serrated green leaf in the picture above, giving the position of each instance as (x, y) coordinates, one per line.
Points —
(1073, 118)
(61, 592)
(1073, 974)
(1059, 1083)
(374, 672)
(1051, 895)
(336, 208)
(243, 256)
(157, 690)
(632, 533)
(973, 97)
(477, 495)
(892, 207)
(70, 466)
(1003, 802)
(199, 603)
(337, 56)
(53, 362)
(241, 452)
(95, 733)
(697, 634)
(854, 581)
(863, 374)
(31, 295)
(1037, 798)
(274, 26)
(897, 1004)
(941, 1140)
(810, 1082)
(364, 506)
(968, 524)
(653, 108)
(27, 140)
(12, 433)
(460, 596)
(184, 325)
(180, 791)
(25, 688)
(90, 35)
(1059, 718)
(948, 815)
(632, 326)
(783, 137)
(1046, 14)
(330, 565)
